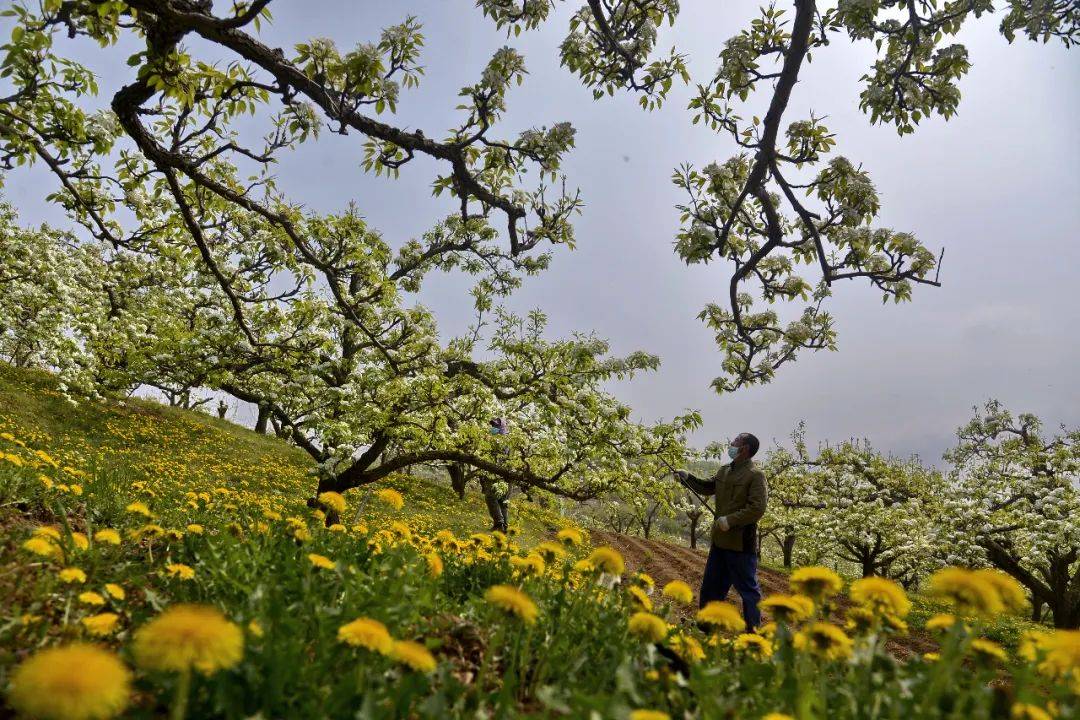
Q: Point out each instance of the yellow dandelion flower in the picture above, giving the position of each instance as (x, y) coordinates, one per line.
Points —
(76, 682)
(513, 601)
(195, 529)
(47, 531)
(1025, 711)
(414, 655)
(942, 622)
(332, 501)
(80, 541)
(777, 716)
(529, 565)
(189, 636)
(91, 598)
(790, 609)
(1061, 659)
(255, 628)
(880, 596)
(815, 582)
(434, 564)
(43, 546)
(366, 633)
(686, 647)
(301, 534)
(321, 561)
(824, 640)
(679, 591)
(768, 630)
(969, 592)
(644, 580)
(336, 528)
(550, 551)
(1008, 589)
(570, 536)
(181, 571)
(107, 536)
(988, 650)
(648, 627)
(721, 616)
(640, 598)
(101, 624)
(72, 576)
(754, 646)
(649, 715)
(390, 497)
(931, 656)
(115, 591)
(861, 620)
(607, 560)
(139, 508)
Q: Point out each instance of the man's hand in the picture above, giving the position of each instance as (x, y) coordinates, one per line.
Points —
(722, 522)
(681, 475)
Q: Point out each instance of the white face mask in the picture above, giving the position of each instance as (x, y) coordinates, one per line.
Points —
(733, 452)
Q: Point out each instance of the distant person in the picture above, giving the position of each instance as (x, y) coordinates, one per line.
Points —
(498, 498)
(741, 495)
(222, 408)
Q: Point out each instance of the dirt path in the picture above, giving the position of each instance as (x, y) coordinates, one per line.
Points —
(665, 562)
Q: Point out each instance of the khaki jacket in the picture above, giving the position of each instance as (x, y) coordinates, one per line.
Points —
(741, 496)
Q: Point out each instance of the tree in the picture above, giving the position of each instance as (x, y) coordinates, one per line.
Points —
(1014, 504)
(780, 203)
(303, 314)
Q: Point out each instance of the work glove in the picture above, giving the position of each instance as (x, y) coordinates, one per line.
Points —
(681, 474)
(722, 523)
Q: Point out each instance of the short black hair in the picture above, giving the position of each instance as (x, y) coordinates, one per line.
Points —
(752, 441)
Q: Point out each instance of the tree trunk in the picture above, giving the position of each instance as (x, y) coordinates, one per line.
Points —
(1036, 610)
(262, 420)
(458, 479)
(788, 547)
(494, 505)
(694, 521)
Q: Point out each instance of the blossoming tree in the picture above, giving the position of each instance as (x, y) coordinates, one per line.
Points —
(1015, 504)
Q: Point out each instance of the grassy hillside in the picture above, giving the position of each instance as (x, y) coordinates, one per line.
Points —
(174, 450)
(158, 563)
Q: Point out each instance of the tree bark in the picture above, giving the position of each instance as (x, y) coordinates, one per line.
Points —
(788, 548)
(458, 479)
(262, 420)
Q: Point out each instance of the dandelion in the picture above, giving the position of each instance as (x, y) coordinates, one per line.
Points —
(967, 591)
(640, 598)
(754, 646)
(1025, 711)
(91, 598)
(115, 591)
(181, 571)
(434, 564)
(777, 716)
(80, 541)
(195, 529)
(649, 715)
(189, 636)
(47, 531)
(366, 633)
(139, 508)
(76, 682)
(550, 551)
(72, 576)
(790, 609)
(321, 561)
(687, 648)
(1008, 589)
(988, 650)
(255, 628)
(43, 546)
(644, 580)
(101, 624)
(648, 627)
(1062, 656)
(390, 497)
(332, 501)
(513, 601)
(679, 591)
(570, 536)
(721, 616)
(607, 560)
(107, 536)
(529, 565)
(336, 528)
(414, 655)
(931, 657)
(942, 622)
(825, 640)
(816, 582)
(881, 596)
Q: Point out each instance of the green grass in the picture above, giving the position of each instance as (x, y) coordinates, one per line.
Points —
(137, 440)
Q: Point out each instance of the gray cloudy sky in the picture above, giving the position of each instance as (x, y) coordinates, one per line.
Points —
(997, 186)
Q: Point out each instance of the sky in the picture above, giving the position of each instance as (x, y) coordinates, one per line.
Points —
(996, 186)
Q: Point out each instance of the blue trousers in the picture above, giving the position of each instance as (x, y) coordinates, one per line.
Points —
(725, 568)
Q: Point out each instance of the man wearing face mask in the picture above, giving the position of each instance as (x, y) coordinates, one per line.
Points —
(741, 495)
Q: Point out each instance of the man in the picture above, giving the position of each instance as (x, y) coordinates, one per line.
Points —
(741, 495)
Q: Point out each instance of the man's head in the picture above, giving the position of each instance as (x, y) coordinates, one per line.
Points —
(747, 446)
